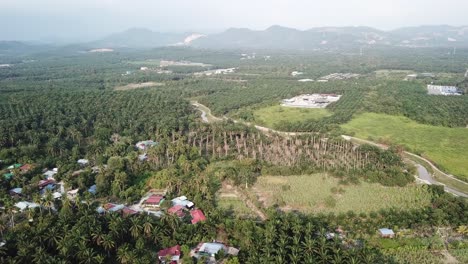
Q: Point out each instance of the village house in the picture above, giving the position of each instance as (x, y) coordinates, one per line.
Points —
(154, 201)
(23, 205)
(26, 168)
(49, 174)
(14, 166)
(183, 201)
(72, 194)
(93, 189)
(83, 162)
(16, 192)
(197, 216)
(171, 254)
(144, 145)
(211, 249)
(386, 233)
(177, 210)
(48, 184)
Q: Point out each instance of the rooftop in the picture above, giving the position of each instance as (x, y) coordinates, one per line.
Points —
(154, 199)
(212, 248)
(386, 231)
(174, 252)
(197, 216)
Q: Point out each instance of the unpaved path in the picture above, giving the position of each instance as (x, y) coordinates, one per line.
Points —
(251, 205)
(423, 174)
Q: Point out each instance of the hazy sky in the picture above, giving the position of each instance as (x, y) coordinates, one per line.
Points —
(74, 20)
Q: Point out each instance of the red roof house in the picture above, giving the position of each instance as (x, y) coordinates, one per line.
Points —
(127, 211)
(43, 183)
(172, 253)
(25, 168)
(177, 210)
(197, 216)
(154, 200)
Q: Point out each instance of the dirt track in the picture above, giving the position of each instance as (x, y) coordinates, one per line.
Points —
(424, 175)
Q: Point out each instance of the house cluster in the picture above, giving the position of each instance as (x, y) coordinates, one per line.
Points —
(296, 73)
(181, 207)
(443, 90)
(165, 63)
(152, 204)
(10, 170)
(216, 72)
(48, 184)
(305, 80)
(173, 254)
(340, 76)
(311, 100)
(245, 56)
(144, 146)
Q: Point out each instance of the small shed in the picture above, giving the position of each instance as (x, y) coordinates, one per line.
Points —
(386, 232)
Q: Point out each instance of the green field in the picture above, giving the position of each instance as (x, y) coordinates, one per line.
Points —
(323, 193)
(272, 115)
(446, 147)
(237, 206)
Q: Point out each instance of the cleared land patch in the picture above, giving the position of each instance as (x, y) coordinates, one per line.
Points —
(273, 115)
(446, 147)
(323, 193)
(228, 199)
(133, 86)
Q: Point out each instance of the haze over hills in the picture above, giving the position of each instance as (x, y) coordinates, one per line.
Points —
(278, 37)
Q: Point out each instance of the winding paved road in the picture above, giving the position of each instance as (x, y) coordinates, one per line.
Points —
(423, 174)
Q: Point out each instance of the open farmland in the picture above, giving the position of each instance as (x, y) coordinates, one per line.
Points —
(446, 147)
(273, 115)
(323, 193)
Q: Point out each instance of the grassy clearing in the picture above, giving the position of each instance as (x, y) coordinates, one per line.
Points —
(272, 115)
(133, 86)
(237, 206)
(446, 147)
(460, 254)
(323, 193)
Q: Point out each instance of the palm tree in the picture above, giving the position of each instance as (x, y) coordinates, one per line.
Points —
(462, 230)
(108, 244)
(147, 226)
(87, 256)
(124, 254)
(98, 235)
(135, 227)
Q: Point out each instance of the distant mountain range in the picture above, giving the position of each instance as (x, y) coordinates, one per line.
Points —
(278, 37)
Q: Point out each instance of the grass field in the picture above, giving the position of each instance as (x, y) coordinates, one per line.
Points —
(272, 115)
(323, 193)
(237, 206)
(446, 147)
